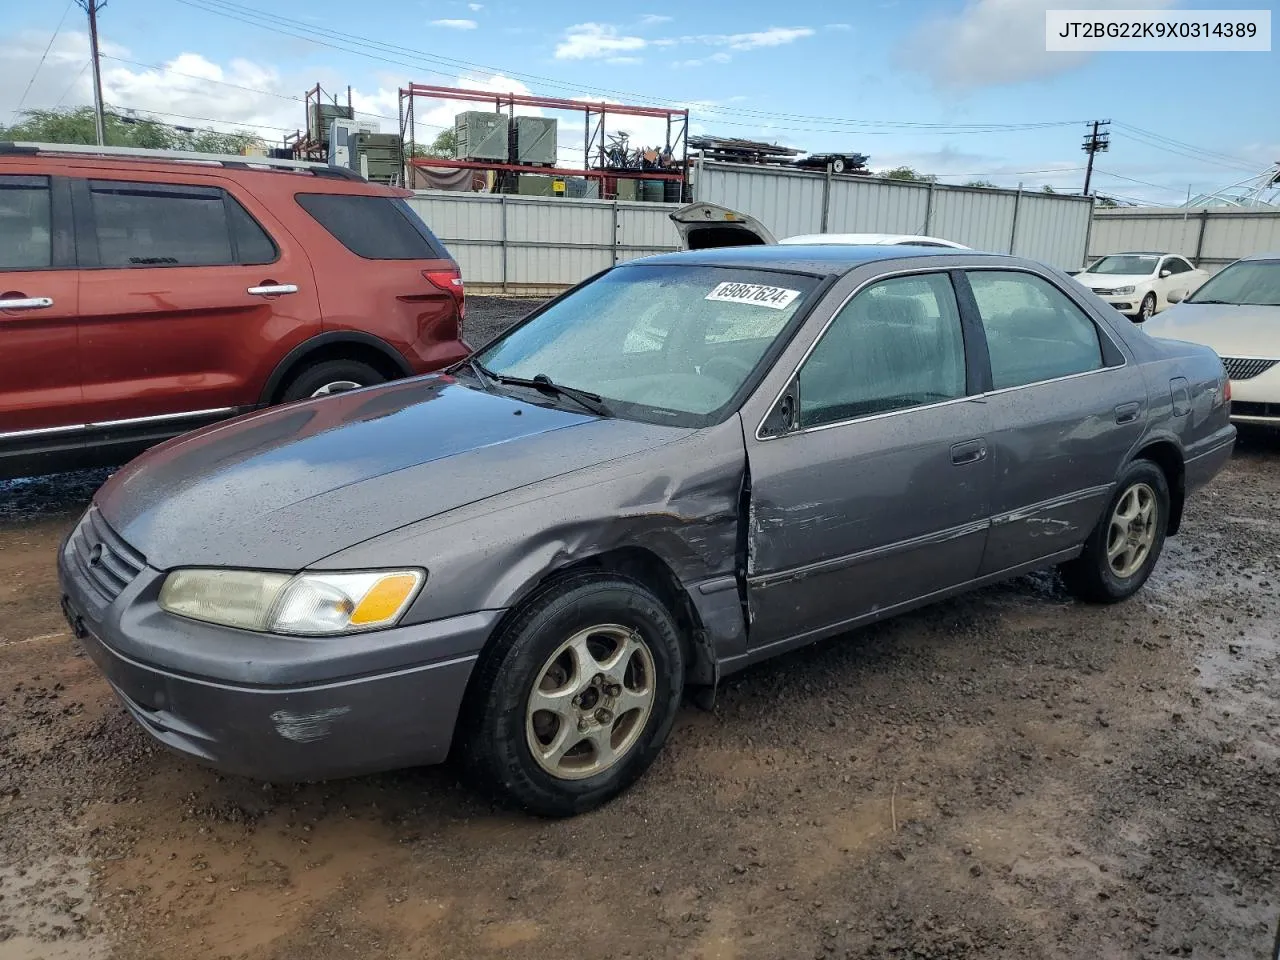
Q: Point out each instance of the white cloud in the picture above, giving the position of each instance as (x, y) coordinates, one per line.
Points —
(773, 37)
(455, 24)
(840, 27)
(721, 57)
(650, 19)
(995, 42)
(475, 7)
(594, 41)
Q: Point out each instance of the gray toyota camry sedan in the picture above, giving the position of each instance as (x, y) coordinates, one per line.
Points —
(684, 465)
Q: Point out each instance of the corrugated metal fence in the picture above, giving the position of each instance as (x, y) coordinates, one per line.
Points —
(538, 245)
(1212, 238)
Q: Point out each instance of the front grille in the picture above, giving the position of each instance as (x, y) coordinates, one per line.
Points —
(1103, 291)
(102, 558)
(1245, 408)
(1246, 368)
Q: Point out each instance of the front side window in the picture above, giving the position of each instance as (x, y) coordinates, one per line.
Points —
(157, 225)
(26, 241)
(1034, 332)
(663, 343)
(897, 344)
(1125, 265)
(1254, 283)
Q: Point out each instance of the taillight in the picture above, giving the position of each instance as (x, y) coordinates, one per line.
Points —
(450, 281)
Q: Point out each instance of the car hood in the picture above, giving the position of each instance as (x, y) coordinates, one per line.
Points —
(291, 485)
(1108, 281)
(1231, 330)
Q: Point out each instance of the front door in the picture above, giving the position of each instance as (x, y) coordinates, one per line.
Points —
(1066, 408)
(39, 303)
(880, 495)
(191, 302)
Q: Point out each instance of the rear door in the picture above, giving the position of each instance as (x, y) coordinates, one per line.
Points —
(1066, 407)
(39, 303)
(189, 300)
(382, 272)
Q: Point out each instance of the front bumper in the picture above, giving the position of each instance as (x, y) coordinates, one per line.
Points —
(1127, 304)
(275, 708)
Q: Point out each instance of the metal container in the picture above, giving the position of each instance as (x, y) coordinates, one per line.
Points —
(536, 140)
(319, 118)
(627, 188)
(652, 191)
(480, 136)
(582, 188)
(533, 185)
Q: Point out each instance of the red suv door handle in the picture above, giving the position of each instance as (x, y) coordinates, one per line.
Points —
(273, 289)
(26, 303)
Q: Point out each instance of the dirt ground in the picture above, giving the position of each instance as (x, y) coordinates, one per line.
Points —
(1006, 775)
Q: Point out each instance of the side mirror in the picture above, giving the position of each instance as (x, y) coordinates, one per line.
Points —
(785, 415)
(1175, 297)
(1165, 273)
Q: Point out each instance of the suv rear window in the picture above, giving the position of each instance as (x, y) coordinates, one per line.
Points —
(375, 228)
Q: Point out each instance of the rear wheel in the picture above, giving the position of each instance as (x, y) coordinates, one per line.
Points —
(329, 377)
(1123, 548)
(576, 699)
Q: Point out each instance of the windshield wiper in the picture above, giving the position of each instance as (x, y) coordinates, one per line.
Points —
(1229, 303)
(589, 401)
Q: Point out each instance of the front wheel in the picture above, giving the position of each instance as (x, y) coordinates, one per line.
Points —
(1123, 548)
(1148, 308)
(577, 697)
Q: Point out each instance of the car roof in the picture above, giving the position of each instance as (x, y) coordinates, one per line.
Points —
(822, 258)
(1274, 255)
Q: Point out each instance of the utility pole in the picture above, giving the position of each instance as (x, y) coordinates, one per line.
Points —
(1096, 142)
(92, 7)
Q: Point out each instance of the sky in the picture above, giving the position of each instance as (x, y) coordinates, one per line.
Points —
(962, 89)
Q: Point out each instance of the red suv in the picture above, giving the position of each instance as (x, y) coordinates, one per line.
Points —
(142, 296)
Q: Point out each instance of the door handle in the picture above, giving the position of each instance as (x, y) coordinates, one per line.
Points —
(26, 303)
(273, 289)
(1128, 412)
(971, 451)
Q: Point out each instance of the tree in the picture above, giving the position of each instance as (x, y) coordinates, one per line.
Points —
(981, 183)
(76, 126)
(1107, 202)
(908, 173)
(1047, 188)
(444, 144)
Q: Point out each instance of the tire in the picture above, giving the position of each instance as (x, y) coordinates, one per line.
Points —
(837, 165)
(325, 377)
(1147, 309)
(502, 726)
(1099, 577)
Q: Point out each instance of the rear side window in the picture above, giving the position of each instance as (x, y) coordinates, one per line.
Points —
(25, 218)
(375, 228)
(155, 225)
(1034, 332)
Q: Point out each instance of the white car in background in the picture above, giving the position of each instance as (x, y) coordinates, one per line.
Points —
(703, 225)
(1237, 313)
(1140, 284)
(874, 239)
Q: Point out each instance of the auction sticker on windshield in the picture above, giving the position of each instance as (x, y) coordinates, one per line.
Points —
(779, 298)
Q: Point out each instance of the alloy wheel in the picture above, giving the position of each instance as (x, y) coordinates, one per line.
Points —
(1131, 532)
(590, 702)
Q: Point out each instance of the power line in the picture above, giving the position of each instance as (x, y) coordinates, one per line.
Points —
(71, 85)
(314, 34)
(49, 46)
(1188, 146)
(1193, 154)
(1145, 183)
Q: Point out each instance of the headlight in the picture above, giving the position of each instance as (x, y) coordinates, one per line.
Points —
(1121, 291)
(308, 604)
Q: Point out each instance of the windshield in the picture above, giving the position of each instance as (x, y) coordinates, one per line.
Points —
(670, 343)
(1254, 283)
(1125, 265)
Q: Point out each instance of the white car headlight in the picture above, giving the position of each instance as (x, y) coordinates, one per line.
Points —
(308, 604)
(1121, 291)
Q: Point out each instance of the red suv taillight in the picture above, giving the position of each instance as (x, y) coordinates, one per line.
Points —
(450, 281)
